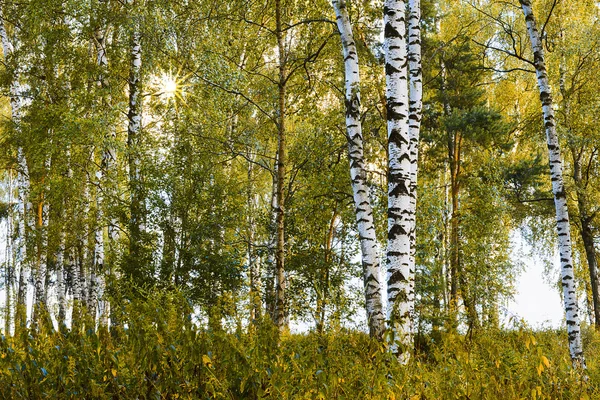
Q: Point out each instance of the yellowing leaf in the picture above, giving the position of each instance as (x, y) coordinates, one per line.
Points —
(546, 362)
(114, 373)
(206, 360)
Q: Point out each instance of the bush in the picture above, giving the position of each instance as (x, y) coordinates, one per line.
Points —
(160, 354)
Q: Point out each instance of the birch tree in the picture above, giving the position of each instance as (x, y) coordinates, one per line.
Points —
(558, 189)
(400, 288)
(18, 101)
(134, 130)
(280, 279)
(362, 201)
(105, 171)
(415, 106)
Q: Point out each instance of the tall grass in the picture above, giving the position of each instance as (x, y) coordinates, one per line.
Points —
(162, 355)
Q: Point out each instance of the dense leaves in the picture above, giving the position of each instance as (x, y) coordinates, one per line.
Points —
(163, 354)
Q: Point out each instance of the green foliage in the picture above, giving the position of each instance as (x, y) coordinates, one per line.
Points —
(162, 354)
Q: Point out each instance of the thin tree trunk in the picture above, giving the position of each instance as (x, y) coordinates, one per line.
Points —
(399, 178)
(322, 298)
(362, 201)
(280, 281)
(253, 266)
(8, 258)
(558, 189)
(18, 101)
(103, 178)
(137, 211)
(41, 299)
(415, 106)
(272, 246)
(60, 279)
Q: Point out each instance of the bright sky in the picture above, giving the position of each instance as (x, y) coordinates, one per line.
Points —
(536, 300)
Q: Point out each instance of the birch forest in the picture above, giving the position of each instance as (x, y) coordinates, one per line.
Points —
(290, 199)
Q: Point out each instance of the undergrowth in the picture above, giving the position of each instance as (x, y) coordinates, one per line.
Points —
(160, 354)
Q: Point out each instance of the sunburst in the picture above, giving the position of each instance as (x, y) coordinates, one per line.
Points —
(170, 86)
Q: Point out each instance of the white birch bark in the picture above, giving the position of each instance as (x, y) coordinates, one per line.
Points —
(272, 246)
(60, 280)
(71, 264)
(558, 189)
(415, 106)
(362, 201)
(134, 115)
(41, 295)
(280, 278)
(83, 257)
(105, 185)
(8, 259)
(18, 101)
(253, 265)
(399, 176)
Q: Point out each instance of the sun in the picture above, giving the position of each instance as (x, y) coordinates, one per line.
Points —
(168, 85)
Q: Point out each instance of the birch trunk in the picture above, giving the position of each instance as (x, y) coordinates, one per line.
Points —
(362, 200)
(60, 279)
(280, 281)
(41, 294)
(253, 266)
(136, 222)
(399, 178)
(8, 260)
(415, 106)
(18, 101)
(558, 189)
(272, 245)
(102, 175)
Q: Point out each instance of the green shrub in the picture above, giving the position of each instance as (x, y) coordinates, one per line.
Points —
(160, 354)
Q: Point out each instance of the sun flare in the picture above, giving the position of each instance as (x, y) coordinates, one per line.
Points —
(168, 85)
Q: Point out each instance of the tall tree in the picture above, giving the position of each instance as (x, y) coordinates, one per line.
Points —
(400, 294)
(18, 101)
(415, 106)
(137, 210)
(558, 189)
(280, 281)
(362, 200)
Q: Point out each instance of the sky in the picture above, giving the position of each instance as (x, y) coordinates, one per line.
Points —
(537, 301)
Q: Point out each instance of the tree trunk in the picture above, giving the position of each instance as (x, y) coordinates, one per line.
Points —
(558, 189)
(362, 201)
(8, 260)
(272, 246)
(280, 281)
(137, 207)
(18, 101)
(253, 265)
(60, 279)
(415, 106)
(400, 295)
(103, 176)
